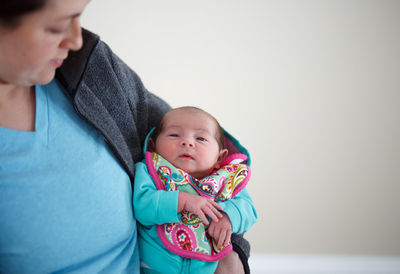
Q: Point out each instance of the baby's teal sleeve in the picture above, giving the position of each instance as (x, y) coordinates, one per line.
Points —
(241, 211)
(152, 206)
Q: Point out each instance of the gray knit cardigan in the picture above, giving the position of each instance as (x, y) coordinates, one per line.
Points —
(111, 97)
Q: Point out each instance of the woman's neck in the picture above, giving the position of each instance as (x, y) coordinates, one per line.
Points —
(17, 107)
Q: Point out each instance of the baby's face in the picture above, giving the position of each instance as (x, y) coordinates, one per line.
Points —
(188, 141)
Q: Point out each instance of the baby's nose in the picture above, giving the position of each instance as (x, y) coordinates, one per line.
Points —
(187, 142)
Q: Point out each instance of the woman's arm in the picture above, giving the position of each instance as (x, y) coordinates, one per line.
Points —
(241, 211)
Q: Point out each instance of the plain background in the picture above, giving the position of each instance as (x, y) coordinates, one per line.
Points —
(312, 88)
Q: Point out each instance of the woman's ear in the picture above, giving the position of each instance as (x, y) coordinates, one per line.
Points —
(222, 155)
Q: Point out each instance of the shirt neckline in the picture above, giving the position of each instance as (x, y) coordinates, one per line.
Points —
(41, 119)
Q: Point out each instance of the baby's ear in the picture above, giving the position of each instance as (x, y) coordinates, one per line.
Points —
(151, 146)
(222, 155)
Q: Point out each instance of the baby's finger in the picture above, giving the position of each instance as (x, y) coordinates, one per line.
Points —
(215, 208)
(218, 213)
(221, 238)
(211, 230)
(216, 205)
(211, 213)
(227, 239)
(203, 218)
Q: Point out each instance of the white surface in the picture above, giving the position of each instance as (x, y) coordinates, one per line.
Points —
(323, 264)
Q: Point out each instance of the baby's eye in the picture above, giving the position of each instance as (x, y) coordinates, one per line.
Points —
(201, 139)
(174, 135)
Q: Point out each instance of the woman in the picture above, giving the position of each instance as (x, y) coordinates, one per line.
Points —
(71, 130)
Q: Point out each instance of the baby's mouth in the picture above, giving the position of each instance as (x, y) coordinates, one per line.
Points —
(186, 156)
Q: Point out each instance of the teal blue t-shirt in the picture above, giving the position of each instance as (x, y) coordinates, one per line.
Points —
(65, 201)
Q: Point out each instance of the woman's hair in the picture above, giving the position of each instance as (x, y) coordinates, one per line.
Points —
(11, 11)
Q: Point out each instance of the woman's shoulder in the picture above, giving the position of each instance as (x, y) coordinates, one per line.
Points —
(94, 62)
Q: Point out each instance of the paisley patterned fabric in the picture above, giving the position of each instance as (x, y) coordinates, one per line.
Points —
(189, 237)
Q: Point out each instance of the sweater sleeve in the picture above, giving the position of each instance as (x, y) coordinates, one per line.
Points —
(147, 108)
(241, 211)
(134, 108)
(152, 206)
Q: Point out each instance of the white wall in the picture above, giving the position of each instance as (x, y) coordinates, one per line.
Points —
(312, 88)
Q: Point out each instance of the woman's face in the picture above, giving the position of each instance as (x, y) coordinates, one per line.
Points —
(31, 52)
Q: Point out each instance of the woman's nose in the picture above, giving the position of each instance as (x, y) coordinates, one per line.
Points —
(73, 38)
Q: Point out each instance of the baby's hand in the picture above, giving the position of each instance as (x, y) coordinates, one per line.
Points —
(200, 206)
(221, 231)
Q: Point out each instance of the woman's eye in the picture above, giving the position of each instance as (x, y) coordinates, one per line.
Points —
(57, 30)
(173, 135)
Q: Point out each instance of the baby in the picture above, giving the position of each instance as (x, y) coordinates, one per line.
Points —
(176, 192)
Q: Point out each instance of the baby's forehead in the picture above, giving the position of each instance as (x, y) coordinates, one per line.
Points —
(186, 111)
(197, 120)
(182, 116)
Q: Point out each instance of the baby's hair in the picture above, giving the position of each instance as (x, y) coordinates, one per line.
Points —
(219, 132)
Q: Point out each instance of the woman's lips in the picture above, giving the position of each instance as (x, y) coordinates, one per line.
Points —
(57, 62)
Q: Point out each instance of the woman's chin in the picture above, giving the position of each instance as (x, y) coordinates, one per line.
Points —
(45, 78)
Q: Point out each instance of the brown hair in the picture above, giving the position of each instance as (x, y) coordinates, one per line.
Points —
(219, 132)
(12, 11)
